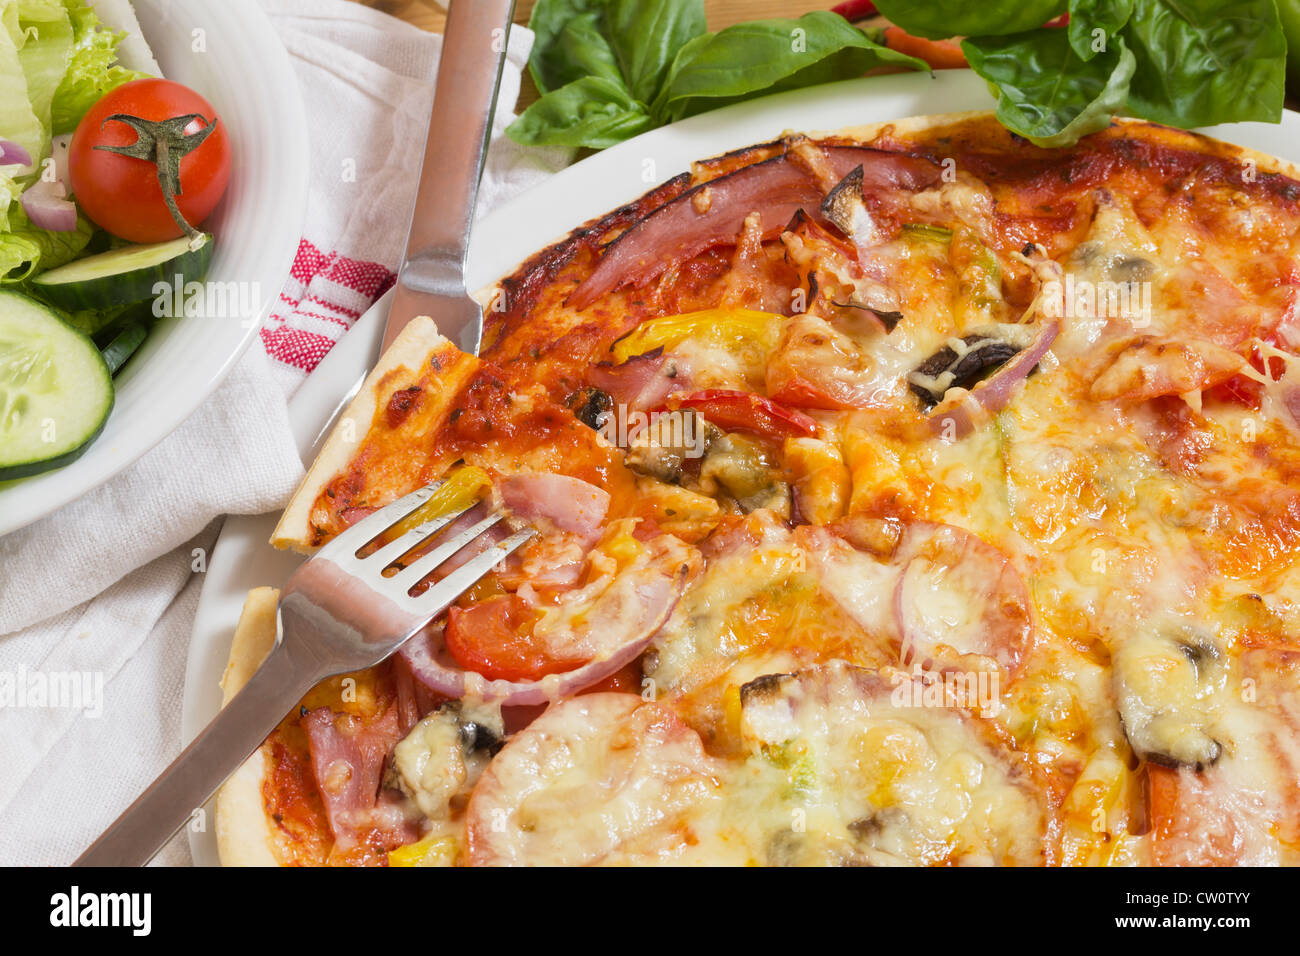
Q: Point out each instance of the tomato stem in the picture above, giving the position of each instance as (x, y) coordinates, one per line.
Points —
(164, 143)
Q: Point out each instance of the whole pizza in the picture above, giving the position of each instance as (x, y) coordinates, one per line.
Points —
(906, 495)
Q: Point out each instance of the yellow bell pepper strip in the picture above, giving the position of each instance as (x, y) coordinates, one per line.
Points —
(462, 490)
(433, 850)
(717, 325)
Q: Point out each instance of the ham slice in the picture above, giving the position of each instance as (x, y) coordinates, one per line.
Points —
(706, 215)
(714, 213)
(347, 758)
(570, 504)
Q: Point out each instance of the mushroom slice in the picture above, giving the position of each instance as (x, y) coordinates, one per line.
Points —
(442, 756)
(963, 362)
(1166, 687)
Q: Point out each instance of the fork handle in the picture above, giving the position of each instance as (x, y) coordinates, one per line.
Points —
(238, 730)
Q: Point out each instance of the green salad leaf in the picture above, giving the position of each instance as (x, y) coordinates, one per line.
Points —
(26, 250)
(940, 19)
(593, 111)
(1182, 62)
(1207, 61)
(647, 36)
(1094, 22)
(768, 56)
(18, 120)
(610, 69)
(92, 68)
(570, 44)
(1046, 92)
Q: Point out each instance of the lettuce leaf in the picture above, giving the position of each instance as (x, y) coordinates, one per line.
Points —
(91, 70)
(18, 121)
(47, 46)
(26, 250)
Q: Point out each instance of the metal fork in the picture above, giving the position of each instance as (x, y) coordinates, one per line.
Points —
(338, 613)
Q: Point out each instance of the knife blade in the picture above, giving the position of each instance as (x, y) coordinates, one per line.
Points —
(431, 280)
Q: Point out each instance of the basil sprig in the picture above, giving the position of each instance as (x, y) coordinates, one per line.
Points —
(1181, 62)
(610, 69)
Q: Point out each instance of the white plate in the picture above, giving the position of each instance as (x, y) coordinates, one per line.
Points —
(242, 558)
(229, 52)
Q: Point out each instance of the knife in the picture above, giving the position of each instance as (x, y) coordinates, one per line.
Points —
(431, 280)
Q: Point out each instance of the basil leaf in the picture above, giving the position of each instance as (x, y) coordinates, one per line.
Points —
(646, 37)
(940, 19)
(1046, 93)
(1207, 61)
(1089, 16)
(594, 111)
(768, 56)
(569, 43)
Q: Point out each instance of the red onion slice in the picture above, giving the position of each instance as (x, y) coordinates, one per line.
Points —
(624, 620)
(13, 154)
(47, 208)
(956, 417)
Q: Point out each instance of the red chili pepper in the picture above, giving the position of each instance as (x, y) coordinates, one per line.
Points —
(854, 10)
(733, 409)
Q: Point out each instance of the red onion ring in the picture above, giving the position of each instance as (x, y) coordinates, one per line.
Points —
(47, 208)
(659, 595)
(12, 154)
(991, 396)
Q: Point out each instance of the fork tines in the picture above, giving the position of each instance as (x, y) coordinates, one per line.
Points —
(347, 549)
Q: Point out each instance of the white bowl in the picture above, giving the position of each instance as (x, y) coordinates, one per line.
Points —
(244, 71)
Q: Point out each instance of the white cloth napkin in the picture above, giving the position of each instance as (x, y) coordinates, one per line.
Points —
(366, 80)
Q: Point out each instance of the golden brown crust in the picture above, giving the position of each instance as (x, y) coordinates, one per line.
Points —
(243, 833)
(411, 351)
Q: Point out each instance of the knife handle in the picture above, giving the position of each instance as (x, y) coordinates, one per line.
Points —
(469, 74)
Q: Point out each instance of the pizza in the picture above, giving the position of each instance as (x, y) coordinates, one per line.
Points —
(906, 495)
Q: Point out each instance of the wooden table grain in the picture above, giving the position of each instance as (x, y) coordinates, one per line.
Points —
(431, 15)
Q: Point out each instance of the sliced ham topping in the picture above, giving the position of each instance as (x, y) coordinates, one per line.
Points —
(714, 213)
(958, 595)
(568, 503)
(706, 215)
(882, 170)
(347, 758)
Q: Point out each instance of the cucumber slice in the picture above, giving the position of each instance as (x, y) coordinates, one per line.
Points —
(124, 345)
(122, 276)
(55, 389)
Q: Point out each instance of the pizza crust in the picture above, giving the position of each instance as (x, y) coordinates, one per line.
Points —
(244, 836)
(411, 350)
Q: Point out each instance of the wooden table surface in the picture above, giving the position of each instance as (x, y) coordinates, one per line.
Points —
(431, 15)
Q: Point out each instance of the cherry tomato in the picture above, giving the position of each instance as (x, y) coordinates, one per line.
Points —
(121, 194)
(493, 638)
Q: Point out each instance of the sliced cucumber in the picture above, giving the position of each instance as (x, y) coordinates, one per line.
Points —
(125, 275)
(55, 389)
(124, 345)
